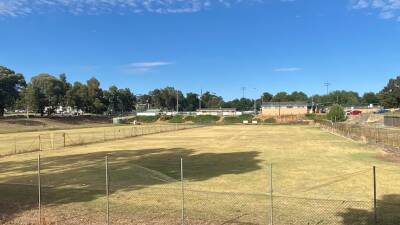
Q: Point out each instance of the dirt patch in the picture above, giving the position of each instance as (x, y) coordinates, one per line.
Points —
(389, 157)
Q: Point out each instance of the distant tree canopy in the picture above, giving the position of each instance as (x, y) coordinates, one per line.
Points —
(11, 84)
(344, 98)
(390, 94)
(45, 93)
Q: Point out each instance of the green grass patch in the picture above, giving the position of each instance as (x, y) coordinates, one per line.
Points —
(146, 119)
(205, 119)
(177, 119)
(238, 119)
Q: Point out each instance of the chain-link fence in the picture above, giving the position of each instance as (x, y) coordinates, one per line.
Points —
(114, 189)
(23, 143)
(368, 134)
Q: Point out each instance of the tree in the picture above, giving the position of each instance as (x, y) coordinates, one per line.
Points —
(192, 102)
(243, 104)
(51, 94)
(78, 96)
(336, 113)
(10, 85)
(210, 100)
(298, 96)
(267, 97)
(281, 97)
(390, 94)
(95, 100)
(370, 98)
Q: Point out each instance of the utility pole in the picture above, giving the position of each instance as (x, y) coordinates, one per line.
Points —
(177, 101)
(243, 90)
(201, 95)
(327, 84)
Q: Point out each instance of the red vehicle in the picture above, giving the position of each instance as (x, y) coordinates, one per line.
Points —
(354, 113)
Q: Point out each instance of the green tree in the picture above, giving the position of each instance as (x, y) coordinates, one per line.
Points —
(192, 102)
(51, 94)
(267, 97)
(78, 96)
(390, 94)
(281, 97)
(336, 113)
(370, 98)
(298, 96)
(95, 100)
(10, 85)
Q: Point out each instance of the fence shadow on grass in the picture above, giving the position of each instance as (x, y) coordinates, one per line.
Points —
(388, 209)
(81, 178)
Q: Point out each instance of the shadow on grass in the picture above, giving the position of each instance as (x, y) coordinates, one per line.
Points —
(81, 178)
(388, 209)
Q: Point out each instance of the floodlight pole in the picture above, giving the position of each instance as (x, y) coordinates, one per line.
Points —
(39, 191)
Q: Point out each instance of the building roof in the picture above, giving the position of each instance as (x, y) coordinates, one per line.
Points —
(283, 104)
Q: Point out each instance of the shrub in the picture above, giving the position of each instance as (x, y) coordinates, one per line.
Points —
(336, 113)
(237, 119)
(270, 120)
(206, 119)
(165, 118)
(189, 119)
(147, 119)
(316, 117)
(177, 119)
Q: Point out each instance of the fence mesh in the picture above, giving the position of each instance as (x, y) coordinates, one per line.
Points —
(73, 190)
(30, 142)
(387, 137)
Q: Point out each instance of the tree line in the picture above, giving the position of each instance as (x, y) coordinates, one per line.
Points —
(45, 92)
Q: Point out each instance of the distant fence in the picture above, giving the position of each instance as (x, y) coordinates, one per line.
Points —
(110, 191)
(56, 140)
(375, 135)
(390, 120)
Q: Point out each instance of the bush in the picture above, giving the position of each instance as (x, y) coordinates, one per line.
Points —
(165, 118)
(316, 117)
(237, 119)
(270, 120)
(336, 113)
(189, 119)
(177, 119)
(206, 119)
(147, 119)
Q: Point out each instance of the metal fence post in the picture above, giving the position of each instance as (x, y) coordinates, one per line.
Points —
(39, 192)
(375, 205)
(271, 222)
(15, 145)
(183, 194)
(40, 145)
(107, 193)
(64, 139)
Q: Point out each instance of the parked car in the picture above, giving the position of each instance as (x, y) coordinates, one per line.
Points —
(353, 112)
(381, 111)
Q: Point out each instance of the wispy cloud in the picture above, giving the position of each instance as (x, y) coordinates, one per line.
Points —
(288, 69)
(142, 67)
(387, 9)
(25, 7)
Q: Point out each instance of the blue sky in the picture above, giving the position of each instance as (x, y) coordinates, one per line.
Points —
(216, 45)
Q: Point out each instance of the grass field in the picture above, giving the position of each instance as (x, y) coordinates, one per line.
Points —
(318, 178)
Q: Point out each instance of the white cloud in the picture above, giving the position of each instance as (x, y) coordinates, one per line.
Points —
(288, 69)
(142, 67)
(25, 7)
(387, 9)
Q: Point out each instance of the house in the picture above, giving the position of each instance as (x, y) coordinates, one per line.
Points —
(284, 108)
(218, 112)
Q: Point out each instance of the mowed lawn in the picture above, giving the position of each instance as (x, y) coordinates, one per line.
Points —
(318, 178)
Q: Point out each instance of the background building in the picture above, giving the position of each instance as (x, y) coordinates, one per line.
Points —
(284, 108)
